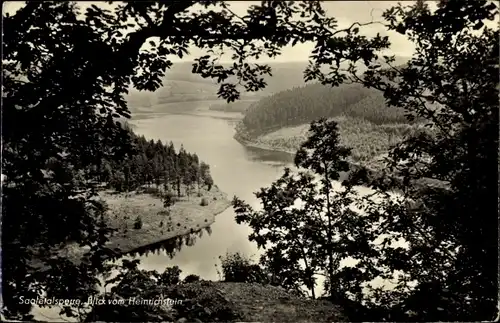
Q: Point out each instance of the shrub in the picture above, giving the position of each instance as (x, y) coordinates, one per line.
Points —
(152, 190)
(169, 199)
(191, 278)
(238, 268)
(138, 223)
(202, 302)
(170, 276)
(204, 202)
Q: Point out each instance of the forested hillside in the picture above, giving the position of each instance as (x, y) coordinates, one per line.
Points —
(238, 106)
(301, 105)
(156, 163)
(181, 85)
(366, 124)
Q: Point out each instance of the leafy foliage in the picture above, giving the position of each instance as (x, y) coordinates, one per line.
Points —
(57, 134)
(237, 268)
(305, 226)
(54, 134)
(191, 278)
(435, 244)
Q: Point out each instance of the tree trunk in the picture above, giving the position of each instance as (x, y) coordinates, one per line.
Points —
(329, 232)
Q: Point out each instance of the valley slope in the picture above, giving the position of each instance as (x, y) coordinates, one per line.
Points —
(366, 124)
(278, 117)
(181, 88)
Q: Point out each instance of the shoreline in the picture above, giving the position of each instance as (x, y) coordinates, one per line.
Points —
(193, 107)
(258, 145)
(259, 142)
(199, 113)
(185, 217)
(375, 166)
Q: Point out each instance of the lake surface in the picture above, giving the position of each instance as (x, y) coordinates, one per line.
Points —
(236, 169)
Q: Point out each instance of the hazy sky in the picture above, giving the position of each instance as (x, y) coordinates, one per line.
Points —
(346, 12)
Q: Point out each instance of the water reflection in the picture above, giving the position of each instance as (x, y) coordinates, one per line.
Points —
(278, 158)
(171, 246)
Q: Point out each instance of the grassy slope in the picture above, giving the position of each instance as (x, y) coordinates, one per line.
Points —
(259, 303)
(186, 215)
(369, 142)
(235, 302)
(251, 302)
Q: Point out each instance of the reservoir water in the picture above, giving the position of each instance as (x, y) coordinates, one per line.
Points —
(236, 169)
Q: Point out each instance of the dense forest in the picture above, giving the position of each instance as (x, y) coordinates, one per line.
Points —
(301, 105)
(238, 106)
(155, 163)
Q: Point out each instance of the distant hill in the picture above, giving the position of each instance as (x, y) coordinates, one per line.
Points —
(284, 76)
(366, 124)
(304, 104)
(181, 85)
